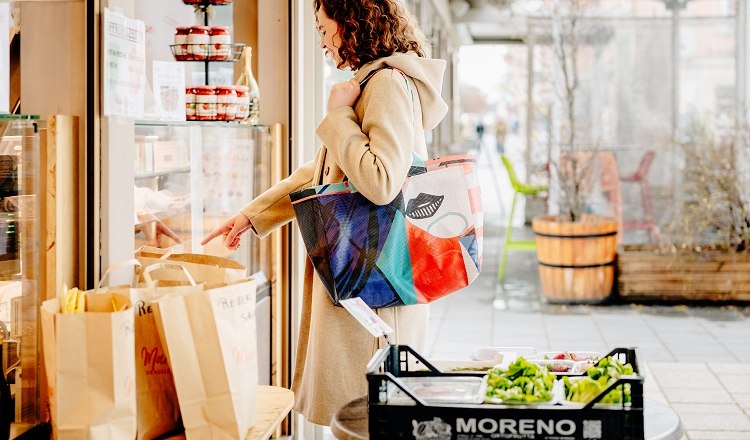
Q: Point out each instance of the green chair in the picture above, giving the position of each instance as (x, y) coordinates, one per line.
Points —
(526, 190)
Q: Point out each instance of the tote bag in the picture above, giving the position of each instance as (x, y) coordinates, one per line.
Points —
(425, 244)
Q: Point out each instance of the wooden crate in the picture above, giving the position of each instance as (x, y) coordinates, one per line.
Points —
(645, 272)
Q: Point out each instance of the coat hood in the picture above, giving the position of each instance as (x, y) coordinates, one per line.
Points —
(427, 74)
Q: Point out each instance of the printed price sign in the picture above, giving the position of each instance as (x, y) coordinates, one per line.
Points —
(366, 317)
(124, 65)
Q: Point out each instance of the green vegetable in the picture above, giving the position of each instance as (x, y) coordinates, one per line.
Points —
(521, 382)
(597, 379)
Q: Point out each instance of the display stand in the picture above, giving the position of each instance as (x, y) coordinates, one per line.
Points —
(236, 48)
(660, 421)
(389, 417)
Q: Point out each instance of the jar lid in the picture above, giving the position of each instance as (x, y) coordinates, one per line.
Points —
(219, 30)
(200, 29)
(204, 89)
(183, 29)
(225, 88)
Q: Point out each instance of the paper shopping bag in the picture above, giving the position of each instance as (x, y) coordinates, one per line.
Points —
(210, 339)
(156, 398)
(90, 368)
(203, 268)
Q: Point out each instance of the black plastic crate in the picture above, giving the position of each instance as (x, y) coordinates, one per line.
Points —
(423, 421)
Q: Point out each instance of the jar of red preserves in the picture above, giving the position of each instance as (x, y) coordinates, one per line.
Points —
(199, 40)
(221, 44)
(205, 103)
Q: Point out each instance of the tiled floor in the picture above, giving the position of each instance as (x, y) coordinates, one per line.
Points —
(696, 359)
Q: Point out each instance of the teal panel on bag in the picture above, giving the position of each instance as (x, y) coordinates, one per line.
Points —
(395, 262)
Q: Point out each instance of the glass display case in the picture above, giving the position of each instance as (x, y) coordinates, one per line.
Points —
(190, 177)
(19, 272)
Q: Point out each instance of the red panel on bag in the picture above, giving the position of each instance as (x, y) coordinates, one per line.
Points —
(437, 264)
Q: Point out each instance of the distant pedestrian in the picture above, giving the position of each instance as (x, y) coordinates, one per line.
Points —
(501, 130)
(480, 134)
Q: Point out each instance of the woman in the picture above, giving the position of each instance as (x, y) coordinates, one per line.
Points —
(370, 140)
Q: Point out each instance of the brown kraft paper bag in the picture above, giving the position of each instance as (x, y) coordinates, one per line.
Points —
(158, 410)
(90, 367)
(211, 345)
(203, 268)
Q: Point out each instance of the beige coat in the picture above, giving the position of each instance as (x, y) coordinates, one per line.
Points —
(372, 144)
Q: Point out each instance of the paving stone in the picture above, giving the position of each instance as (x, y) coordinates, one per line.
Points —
(686, 379)
(715, 422)
(655, 355)
(509, 341)
(697, 348)
(718, 435)
(737, 383)
(733, 368)
(729, 409)
(668, 367)
(703, 357)
(743, 400)
(682, 395)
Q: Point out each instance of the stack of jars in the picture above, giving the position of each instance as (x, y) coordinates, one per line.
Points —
(201, 43)
(217, 103)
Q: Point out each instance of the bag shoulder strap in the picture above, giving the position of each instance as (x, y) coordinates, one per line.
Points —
(367, 78)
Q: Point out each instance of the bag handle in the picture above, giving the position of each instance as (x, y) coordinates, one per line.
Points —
(178, 267)
(167, 254)
(131, 262)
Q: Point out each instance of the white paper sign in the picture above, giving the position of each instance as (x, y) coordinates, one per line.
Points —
(124, 65)
(169, 89)
(4, 58)
(366, 317)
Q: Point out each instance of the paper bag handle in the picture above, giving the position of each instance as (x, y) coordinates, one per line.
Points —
(131, 262)
(167, 254)
(153, 267)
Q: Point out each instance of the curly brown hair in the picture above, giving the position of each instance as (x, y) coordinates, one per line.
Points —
(372, 29)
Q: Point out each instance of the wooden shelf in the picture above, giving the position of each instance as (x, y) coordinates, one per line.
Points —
(272, 406)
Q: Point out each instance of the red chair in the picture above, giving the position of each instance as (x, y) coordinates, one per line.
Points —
(640, 176)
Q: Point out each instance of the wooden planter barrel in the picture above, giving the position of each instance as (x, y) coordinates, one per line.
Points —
(576, 259)
(648, 273)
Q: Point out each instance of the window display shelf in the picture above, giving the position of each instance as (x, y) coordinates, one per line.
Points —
(190, 176)
(221, 124)
(162, 173)
(186, 53)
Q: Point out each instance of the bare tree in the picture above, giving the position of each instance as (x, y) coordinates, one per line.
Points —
(574, 166)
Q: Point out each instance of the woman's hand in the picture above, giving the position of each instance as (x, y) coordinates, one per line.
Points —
(231, 229)
(343, 94)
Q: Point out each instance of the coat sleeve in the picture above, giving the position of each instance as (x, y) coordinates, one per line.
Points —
(273, 208)
(375, 155)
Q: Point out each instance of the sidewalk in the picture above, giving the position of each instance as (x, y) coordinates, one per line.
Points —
(696, 359)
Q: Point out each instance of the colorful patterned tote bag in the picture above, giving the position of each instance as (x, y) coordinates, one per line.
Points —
(425, 244)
